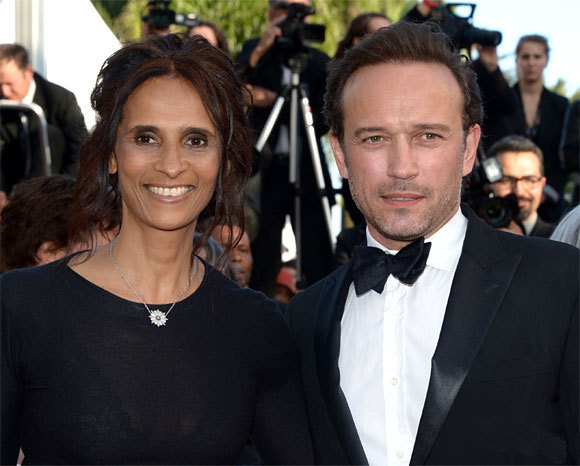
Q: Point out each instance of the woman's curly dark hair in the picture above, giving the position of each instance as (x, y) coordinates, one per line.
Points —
(224, 96)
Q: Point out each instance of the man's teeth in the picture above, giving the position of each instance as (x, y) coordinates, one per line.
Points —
(172, 192)
(402, 198)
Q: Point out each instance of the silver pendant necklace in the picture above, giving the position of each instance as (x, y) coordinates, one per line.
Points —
(157, 316)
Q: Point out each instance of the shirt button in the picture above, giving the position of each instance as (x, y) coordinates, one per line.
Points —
(400, 454)
(394, 381)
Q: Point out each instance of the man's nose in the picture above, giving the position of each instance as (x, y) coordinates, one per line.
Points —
(401, 160)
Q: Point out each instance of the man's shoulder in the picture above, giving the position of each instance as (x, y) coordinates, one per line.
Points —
(487, 243)
(52, 90)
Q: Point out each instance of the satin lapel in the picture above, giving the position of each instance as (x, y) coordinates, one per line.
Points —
(482, 278)
(327, 348)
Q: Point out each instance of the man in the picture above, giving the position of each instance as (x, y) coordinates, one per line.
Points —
(473, 360)
(65, 122)
(240, 258)
(265, 63)
(522, 166)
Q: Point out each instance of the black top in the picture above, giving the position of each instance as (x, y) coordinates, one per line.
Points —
(92, 381)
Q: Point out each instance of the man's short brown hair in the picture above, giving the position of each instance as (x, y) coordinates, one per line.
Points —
(402, 42)
(16, 53)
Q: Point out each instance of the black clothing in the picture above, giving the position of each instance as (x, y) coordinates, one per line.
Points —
(276, 194)
(504, 376)
(570, 147)
(499, 105)
(546, 134)
(542, 229)
(346, 240)
(87, 379)
(66, 132)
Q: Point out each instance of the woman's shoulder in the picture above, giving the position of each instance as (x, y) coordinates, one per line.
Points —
(38, 276)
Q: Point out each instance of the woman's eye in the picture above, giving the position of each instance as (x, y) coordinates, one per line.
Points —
(197, 141)
(144, 139)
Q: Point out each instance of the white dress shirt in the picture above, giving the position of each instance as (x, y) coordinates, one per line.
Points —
(386, 344)
(28, 98)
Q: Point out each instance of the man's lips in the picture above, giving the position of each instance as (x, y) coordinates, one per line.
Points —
(402, 199)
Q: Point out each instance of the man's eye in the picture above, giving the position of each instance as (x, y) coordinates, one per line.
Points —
(430, 136)
(373, 139)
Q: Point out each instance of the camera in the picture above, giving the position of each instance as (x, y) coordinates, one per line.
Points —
(160, 16)
(455, 20)
(494, 210)
(295, 32)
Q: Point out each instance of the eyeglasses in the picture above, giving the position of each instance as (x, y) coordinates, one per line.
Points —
(528, 182)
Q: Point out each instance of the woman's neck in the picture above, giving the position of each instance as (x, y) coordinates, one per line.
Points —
(531, 87)
(157, 263)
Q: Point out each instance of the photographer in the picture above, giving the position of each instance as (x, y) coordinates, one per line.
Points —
(265, 65)
(522, 166)
(498, 99)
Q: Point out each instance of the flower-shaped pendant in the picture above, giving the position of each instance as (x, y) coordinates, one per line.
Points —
(157, 317)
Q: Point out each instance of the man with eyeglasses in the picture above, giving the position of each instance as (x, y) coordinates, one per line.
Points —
(523, 174)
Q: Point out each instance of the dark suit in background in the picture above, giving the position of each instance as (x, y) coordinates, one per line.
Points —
(276, 194)
(66, 131)
(504, 377)
(546, 134)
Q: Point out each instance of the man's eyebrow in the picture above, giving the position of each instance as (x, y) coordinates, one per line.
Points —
(420, 126)
(368, 129)
(433, 127)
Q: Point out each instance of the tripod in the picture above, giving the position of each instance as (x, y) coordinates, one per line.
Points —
(295, 89)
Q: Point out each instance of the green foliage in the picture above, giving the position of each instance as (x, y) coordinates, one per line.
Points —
(575, 96)
(559, 87)
(243, 19)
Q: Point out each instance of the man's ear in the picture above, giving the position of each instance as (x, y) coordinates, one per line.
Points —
(339, 155)
(470, 151)
(112, 164)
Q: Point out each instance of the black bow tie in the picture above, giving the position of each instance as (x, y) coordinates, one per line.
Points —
(371, 266)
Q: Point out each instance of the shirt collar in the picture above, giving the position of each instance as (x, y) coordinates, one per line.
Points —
(530, 224)
(30, 94)
(446, 243)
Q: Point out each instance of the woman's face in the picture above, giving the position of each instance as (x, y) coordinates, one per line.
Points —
(166, 155)
(531, 61)
(206, 32)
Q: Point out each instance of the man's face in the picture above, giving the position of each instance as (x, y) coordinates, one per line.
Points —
(405, 150)
(525, 167)
(14, 82)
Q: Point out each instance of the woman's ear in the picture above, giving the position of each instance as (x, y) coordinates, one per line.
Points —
(112, 164)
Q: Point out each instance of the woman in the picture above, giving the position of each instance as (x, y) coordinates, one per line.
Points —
(214, 35)
(539, 113)
(364, 24)
(140, 352)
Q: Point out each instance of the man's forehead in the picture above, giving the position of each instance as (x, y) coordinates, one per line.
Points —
(519, 159)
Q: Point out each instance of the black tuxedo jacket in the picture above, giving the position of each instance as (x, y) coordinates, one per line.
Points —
(504, 376)
(66, 132)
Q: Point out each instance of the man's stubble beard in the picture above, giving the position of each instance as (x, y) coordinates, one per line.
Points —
(432, 219)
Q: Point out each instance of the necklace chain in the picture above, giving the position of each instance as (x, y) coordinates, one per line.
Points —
(157, 317)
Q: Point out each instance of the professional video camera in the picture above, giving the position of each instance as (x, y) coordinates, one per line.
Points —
(494, 210)
(455, 20)
(160, 16)
(295, 32)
